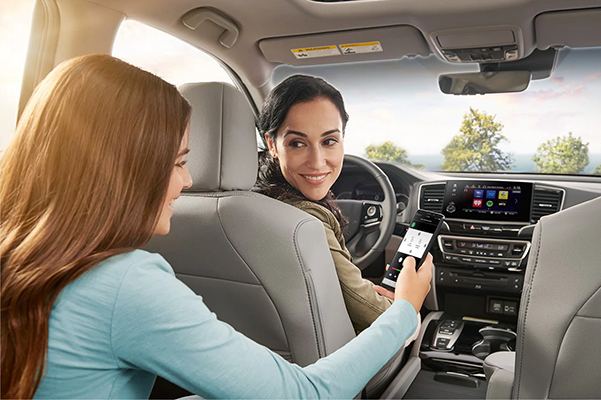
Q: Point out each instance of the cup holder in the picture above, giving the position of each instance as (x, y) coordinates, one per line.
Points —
(494, 339)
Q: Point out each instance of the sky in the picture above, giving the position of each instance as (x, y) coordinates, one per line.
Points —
(401, 102)
(396, 100)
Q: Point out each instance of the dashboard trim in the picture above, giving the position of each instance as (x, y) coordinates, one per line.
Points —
(552, 188)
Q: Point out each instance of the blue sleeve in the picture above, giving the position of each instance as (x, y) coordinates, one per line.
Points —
(161, 326)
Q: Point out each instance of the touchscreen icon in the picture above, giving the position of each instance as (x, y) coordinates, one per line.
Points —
(490, 203)
(477, 203)
(478, 194)
(491, 194)
(503, 194)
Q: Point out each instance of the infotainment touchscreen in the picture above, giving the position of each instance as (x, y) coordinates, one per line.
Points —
(488, 200)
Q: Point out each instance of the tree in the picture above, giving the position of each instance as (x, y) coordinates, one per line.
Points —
(597, 171)
(562, 155)
(388, 151)
(475, 148)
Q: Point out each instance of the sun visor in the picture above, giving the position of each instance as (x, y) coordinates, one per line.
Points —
(579, 28)
(384, 43)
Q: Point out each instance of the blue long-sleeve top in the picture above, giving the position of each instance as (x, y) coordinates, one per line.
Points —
(129, 319)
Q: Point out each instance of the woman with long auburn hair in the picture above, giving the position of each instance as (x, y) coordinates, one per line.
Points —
(90, 176)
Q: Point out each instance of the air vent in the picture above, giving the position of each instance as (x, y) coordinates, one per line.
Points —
(545, 201)
(432, 197)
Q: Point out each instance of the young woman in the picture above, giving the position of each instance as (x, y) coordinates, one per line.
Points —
(303, 121)
(91, 175)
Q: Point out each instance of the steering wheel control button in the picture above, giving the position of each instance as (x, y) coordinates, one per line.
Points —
(371, 211)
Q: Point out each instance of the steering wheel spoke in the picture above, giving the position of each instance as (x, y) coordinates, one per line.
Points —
(371, 215)
(371, 223)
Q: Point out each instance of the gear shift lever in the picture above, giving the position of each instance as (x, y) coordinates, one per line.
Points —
(446, 334)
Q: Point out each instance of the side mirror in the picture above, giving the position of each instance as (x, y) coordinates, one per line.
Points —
(484, 82)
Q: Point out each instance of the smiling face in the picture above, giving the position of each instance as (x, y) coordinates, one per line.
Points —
(309, 146)
(180, 180)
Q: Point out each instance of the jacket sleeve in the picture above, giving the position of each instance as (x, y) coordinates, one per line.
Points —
(159, 325)
(363, 303)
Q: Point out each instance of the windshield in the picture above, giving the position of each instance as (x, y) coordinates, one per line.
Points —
(398, 113)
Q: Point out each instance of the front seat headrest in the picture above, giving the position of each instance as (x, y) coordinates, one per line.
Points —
(223, 145)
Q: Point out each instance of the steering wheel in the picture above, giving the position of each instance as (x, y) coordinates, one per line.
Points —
(371, 223)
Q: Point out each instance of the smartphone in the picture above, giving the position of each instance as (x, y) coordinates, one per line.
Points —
(417, 243)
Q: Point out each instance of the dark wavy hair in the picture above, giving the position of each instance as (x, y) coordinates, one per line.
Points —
(293, 90)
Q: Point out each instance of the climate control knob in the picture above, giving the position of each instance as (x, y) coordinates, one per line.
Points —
(451, 208)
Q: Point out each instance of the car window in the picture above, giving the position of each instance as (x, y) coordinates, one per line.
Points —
(398, 113)
(15, 19)
(170, 58)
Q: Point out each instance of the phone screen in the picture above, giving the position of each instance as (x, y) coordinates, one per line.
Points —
(416, 243)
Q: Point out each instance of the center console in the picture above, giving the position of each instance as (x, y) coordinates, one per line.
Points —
(483, 248)
(480, 262)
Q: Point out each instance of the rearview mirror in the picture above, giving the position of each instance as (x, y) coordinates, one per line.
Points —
(484, 82)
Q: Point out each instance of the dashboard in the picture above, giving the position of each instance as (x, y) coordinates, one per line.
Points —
(482, 251)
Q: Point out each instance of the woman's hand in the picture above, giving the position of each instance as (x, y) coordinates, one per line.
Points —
(413, 285)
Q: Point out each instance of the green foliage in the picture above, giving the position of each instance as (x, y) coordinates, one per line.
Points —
(597, 171)
(562, 155)
(388, 151)
(475, 148)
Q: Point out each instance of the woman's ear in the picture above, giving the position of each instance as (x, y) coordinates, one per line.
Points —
(271, 145)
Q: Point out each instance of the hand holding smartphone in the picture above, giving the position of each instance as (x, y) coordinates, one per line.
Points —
(417, 243)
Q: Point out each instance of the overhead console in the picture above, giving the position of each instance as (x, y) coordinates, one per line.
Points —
(480, 45)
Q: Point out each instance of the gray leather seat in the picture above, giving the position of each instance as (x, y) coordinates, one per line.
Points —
(558, 353)
(261, 265)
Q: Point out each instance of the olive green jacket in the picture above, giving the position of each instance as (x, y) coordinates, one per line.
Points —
(363, 303)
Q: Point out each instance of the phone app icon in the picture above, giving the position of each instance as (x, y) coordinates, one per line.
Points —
(503, 194)
(478, 194)
(477, 203)
(491, 194)
(490, 203)
(502, 204)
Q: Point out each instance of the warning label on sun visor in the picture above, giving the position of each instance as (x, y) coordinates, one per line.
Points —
(313, 52)
(358, 48)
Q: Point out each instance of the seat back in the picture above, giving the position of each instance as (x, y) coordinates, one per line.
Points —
(558, 351)
(262, 266)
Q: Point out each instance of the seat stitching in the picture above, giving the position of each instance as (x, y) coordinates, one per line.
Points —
(313, 312)
(218, 279)
(539, 240)
(245, 263)
(220, 163)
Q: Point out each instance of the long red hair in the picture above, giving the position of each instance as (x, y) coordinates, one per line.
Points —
(83, 179)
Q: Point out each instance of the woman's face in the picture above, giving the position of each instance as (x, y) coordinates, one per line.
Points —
(310, 147)
(180, 179)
